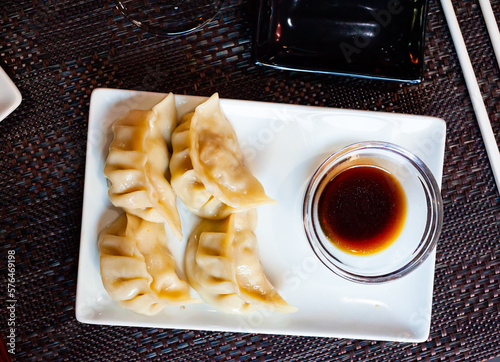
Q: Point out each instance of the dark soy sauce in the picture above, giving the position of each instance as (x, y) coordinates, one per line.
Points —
(377, 38)
(362, 210)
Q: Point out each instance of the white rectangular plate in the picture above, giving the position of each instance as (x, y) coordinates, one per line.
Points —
(10, 97)
(283, 144)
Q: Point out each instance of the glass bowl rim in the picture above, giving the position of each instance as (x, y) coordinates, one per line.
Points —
(154, 29)
(434, 212)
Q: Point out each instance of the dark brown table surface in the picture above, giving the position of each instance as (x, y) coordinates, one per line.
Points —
(58, 51)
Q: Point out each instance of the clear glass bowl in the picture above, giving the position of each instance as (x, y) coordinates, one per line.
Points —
(169, 17)
(422, 226)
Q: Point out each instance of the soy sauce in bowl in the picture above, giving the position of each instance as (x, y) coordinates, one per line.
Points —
(372, 212)
(362, 210)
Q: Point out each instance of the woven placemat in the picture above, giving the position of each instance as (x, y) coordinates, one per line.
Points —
(59, 51)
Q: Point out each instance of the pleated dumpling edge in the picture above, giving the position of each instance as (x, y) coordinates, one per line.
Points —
(222, 264)
(137, 268)
(217, 158)
(207, 165)
(137, 165)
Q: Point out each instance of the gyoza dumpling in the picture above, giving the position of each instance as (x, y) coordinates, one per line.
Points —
(137, 164)
(222, 265)
(207, 166)
(137, 269)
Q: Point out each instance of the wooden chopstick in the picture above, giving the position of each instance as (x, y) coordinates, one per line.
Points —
(491, 25)
(474, 92)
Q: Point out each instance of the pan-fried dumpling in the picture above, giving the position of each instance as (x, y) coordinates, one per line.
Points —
(207, 167)
(137, 269)
(222, 265)
(137, 165)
